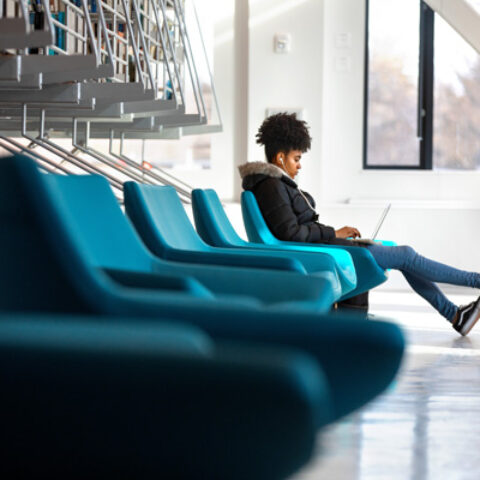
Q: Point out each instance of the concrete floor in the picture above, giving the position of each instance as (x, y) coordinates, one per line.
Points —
(427, 425)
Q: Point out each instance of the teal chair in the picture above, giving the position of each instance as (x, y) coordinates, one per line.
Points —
(89, 207)
(48, 269)
(258, 231)
(215, 228)
(160, 219)
(369, 274)
(83, 398)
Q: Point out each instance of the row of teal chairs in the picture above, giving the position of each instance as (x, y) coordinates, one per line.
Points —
(136, 347)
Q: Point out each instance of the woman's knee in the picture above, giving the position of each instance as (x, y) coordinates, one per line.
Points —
(397, 257)
(406, 252)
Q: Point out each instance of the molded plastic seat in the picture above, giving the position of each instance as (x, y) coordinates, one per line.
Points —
(89, 208)
(215, 228)
(160, 219)
(46, 269)
(369, 274)
(89, 399)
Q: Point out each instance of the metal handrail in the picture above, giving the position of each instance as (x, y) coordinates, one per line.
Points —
(210, 75)
(192, 71)
(172, 52)
(97, 155)
(60, 151)
(161, 170)
(144, 175)
(189, 57)
(35, 155)
(159, 175)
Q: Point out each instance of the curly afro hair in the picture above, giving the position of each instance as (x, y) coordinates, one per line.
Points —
(283, 132)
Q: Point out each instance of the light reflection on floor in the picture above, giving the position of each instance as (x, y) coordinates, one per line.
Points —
(427, 425)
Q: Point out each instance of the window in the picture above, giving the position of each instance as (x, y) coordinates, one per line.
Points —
(422, 93)
(456, 119)
(393, 83)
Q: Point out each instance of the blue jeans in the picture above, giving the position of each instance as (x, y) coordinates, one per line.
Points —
(421, 273)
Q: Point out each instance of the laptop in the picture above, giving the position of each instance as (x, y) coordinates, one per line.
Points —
(371, 240)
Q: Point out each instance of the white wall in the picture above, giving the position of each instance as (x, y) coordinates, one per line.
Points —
(292, 80)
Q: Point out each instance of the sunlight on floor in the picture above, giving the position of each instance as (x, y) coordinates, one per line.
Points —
(427, 425)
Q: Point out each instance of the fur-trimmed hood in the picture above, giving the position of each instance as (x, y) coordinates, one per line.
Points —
(260, 168)
(255, 172)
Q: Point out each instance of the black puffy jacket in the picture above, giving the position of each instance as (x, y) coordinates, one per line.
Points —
(289, 213)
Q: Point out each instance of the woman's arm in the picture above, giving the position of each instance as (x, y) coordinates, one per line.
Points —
(276, 207)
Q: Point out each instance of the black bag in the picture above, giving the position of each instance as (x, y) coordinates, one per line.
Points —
(359, 303)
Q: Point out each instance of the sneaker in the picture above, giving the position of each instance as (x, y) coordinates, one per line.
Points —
(466, 317)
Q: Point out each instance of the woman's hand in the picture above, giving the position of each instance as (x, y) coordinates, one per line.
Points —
(347, 232)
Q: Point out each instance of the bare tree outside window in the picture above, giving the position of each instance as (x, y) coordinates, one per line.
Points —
(457, 101)
(393, 83)
(393, 90)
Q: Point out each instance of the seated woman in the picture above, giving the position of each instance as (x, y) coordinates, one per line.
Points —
(290, 215)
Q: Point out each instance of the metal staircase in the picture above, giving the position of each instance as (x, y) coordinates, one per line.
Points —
(117, 70)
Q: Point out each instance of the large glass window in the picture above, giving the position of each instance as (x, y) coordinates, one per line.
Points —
(456, 140)
(393, 83)
(422, 90)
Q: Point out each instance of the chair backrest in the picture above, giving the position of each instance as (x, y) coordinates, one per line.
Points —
(255, 226)
(74, 384)
(91, 210)
(211, 220)
(158, 215)
(43, 267)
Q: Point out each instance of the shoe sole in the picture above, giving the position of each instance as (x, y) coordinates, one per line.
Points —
(465, 330)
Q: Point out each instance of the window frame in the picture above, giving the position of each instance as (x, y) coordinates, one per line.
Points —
(425, 103)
